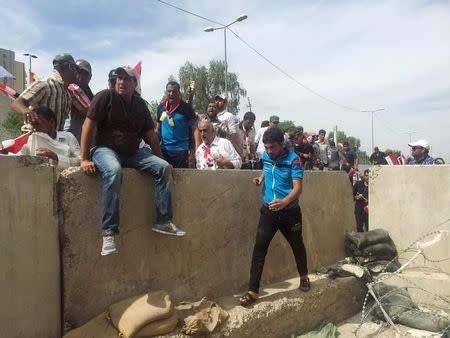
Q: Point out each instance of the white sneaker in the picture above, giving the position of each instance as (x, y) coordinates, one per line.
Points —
(168, 229)
(109, 246)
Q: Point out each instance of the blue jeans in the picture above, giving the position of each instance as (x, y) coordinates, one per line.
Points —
(110, 164)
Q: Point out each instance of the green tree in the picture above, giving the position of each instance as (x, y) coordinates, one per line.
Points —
(12, 123)
(390, 151)
(210, 81)
(285, 125)
(354, 144)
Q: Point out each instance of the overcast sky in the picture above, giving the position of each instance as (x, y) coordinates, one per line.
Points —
(365, 55)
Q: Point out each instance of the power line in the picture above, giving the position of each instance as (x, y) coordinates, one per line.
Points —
(266, 59)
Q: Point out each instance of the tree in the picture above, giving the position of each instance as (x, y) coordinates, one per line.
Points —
(12, 123)
(285, 125)
(353, 142)
(210, 81)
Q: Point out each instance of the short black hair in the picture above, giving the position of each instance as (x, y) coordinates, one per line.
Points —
(332, 144)
(322, 131)
(173, 83)
(346, 144)
(273, 135)
(366, 171)
(264, 123)
(249, 116)
(46, 113)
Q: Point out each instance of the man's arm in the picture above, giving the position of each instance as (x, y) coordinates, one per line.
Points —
(292, 196)
(153, 141)
(197, 137)
(234, 162)
(73, 160)
(87, 132)
(356, 162)
(19, 106)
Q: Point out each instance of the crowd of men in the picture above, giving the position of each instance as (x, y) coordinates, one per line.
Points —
(114, 129)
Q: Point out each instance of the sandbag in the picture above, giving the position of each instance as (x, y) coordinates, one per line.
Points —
(160, 327)
(380, 251)
(362, 239)
(383, 266)
(132, 314)
(207, 317)
(99, 327)
(326, 331)
(394, 300)
(423, 321)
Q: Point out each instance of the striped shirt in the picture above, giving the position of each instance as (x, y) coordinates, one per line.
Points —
(51, 93)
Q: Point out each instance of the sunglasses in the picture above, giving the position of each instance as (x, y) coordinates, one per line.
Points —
(414, 148)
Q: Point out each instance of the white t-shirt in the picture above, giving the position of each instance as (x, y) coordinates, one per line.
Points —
(230, 120)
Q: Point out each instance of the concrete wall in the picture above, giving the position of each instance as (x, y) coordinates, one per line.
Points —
(219, 210)
(409, 202)
(29, 249)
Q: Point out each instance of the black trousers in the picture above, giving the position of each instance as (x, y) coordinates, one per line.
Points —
(177, 160)
(289, 222)
(362, 220)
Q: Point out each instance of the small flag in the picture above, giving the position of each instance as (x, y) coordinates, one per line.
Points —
(138, 70)
(8, 91)
(80, 94)
(392, 159)
(14, 146)
(33, 77)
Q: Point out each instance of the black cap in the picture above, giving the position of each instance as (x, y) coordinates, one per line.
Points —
(112, 74)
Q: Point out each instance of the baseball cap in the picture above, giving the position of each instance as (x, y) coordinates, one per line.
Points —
(221, 97)
(127, 69)
(274, 118)
(84, 65)
(112, 74)
(62, 58)
(420, 143)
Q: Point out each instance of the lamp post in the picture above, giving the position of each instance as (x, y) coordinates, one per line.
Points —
(211, 29)
(31, 56)
(373, 112)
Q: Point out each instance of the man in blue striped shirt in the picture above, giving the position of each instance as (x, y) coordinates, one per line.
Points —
(282, 185)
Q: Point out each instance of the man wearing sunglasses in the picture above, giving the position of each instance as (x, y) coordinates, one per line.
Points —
(419, 152)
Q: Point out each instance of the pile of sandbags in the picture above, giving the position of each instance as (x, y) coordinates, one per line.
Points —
(141, 316)
(373, 249)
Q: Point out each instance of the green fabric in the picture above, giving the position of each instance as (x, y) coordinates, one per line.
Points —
(83, 64)
(62, 59)
(326, 331)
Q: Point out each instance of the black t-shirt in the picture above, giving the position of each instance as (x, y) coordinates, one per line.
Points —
(350, 156)
(378, 158)
(304, 148)
(120, 126)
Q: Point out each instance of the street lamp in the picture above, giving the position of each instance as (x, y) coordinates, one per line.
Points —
(225, 27)
(372, 111)
(30, 80)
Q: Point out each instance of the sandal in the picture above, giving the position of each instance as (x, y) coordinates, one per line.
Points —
(247, 299)
(305, 285)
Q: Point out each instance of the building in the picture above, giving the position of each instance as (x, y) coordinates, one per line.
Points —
(8, 61)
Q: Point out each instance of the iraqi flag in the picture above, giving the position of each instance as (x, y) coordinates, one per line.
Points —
(392, 159)
(14, 146)
(138, 70)
(8, 91)
(80, 94)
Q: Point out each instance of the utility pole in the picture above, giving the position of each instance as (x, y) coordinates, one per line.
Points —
(410, 133)
(249, 104)
(373, 112)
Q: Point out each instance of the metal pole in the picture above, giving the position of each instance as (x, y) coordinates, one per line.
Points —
(226, 61)
(372, 132)
(29, 72)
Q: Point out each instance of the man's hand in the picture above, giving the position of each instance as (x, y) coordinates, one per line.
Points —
(257, 180)
(47, 153)
(277, 205)
(220, 161)
(88, 167)
(32, 117)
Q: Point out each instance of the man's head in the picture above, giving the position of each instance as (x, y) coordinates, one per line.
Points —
(221, 102)
(292, 132)
(346, 146)
(66, 67)
(172, 90)
(322, 134)
(419, 149)
(273, 140)
(265, 123)
(376, 150)
(249, 120)
(46, 122)
(366, 175)
(126, 81)
(207, 132)
(273, 121)
(112, 78)
(84, 73)
(212, 109)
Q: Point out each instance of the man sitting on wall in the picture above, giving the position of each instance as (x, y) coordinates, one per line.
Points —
(419, 152)
(215, 152)
(122, 120)
(59, 146)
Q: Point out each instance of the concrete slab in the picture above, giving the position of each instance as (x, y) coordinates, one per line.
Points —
(283, 310)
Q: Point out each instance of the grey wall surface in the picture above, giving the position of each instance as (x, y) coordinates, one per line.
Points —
(219, 210)
(29, 249)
